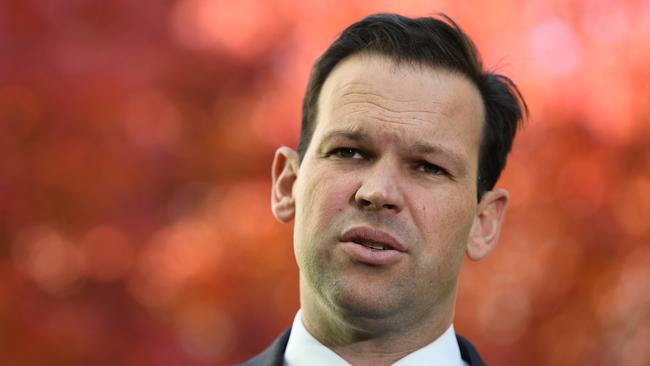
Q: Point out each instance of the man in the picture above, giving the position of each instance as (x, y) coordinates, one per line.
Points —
(403, 139)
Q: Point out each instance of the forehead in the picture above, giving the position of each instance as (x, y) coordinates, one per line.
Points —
(406, 98)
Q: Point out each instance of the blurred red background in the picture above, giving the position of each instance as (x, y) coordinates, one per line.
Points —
(136, 139)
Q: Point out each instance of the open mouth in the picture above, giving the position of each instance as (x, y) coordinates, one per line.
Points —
(371, 244)
(372, 238)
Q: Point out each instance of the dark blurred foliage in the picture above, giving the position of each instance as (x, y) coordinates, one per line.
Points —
(135, 144)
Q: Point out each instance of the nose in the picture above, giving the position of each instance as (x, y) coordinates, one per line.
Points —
(380, 189)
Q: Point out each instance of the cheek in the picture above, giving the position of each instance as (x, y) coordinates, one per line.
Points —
(320, 202)
(445, 220)
(445, 238)
(320, 198)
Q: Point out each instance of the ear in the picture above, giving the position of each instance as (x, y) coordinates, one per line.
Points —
(487, 224)
(284, 173)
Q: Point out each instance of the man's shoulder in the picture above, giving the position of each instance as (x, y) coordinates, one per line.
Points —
(274, 354)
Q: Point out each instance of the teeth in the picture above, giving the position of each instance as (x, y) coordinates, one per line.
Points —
(372, 245)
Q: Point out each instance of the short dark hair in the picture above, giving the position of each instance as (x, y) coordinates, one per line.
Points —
(437, 42)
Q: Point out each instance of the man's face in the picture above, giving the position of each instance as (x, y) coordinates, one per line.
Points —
(385, 197)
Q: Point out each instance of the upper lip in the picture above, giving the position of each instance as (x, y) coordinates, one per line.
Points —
(361, 233)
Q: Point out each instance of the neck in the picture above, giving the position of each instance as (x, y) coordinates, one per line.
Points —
(373, 340)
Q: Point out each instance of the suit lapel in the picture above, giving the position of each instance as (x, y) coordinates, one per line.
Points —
(273, 355)
(468, 353)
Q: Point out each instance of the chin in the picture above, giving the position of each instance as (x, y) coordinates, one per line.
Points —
(361, 303)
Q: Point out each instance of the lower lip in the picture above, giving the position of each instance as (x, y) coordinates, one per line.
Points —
(366, 255)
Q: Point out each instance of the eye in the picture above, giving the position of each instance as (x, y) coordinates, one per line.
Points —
(426, 167)
(346, 153)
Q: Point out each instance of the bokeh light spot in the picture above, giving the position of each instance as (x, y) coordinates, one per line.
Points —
(48, 259)
(175, 255)
(237, 27)
(554, 47)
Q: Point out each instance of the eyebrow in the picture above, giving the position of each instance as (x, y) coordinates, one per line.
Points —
(418, 148)
(350, 134)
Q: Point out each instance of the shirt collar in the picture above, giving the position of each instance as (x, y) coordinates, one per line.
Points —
(304, 349)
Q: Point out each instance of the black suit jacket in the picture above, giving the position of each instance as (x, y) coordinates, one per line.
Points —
(274, 354)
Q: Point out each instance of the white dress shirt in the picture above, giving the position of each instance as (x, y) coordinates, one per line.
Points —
(303, 349)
